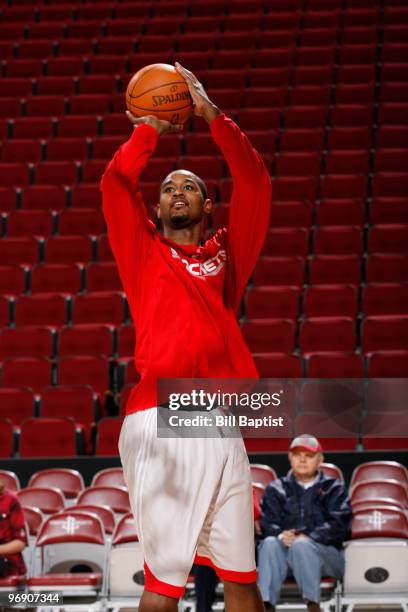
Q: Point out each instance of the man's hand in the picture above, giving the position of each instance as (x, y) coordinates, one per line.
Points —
(161, 126)
(288, 537)
(203, 107)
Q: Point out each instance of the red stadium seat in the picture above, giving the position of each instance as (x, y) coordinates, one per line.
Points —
(8, 198)
(272, 302)
(47, 499)
(278, 365)
(106, 146)
(279, 271)
(99, 307)
(67, 149)
(75, 401)
(392, 136)
(288, 214)
(6, 437)
(115, 497)
(293, 188)
(126, 341)
(332, 471)
(330, 301)
(104, 250)
(61, 548)
(86, 196)
(41, 309)
(48, 437)
(81, 221)
(104, 512)
(313, 95)
(21, 250)
(80, 125)
(384, 333)
(33, 372)
(103, 277)
(26, 222)
(4, 311)
(21, 151)
(346, 162)
(91, 84)
(85, 370)
(86, 339)
(93, 170)
(111, 477)
(12, 280)
(338, 240)
(55, 86)
(358, 54)
(344, 186)
(65, 66)
(26, 342)
(351, 93)
(262, 473)
(335, 365)
(56, 278)
(43, 106)
(298, 164)
(390, 184)
(304, 117)
(340, 212)
(349, 138)
(69, 481)
(384, 364)
(68, 249)
(43, 197)
(28, 68)
(334, 436)
(356, 74)
(10, 480)
(286, 241)
(385, 298)
(14, 174)
(267, 335)
(372, 470)
(33, 127)
(258, 119)
(380, 488)
(16, 404)
(275, 77)
(56, 173)
(302, 140)
(327, 334)
(107, 437)
(388, 210)
(388, 239)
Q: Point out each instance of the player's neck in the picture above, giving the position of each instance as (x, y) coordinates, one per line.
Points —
(187, 235)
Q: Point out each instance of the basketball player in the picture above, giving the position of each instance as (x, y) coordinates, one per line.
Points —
(191, 498)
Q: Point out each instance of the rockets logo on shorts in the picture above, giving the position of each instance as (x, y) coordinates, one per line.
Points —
(210, 267)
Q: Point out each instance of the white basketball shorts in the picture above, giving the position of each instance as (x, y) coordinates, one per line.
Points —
(192, 501)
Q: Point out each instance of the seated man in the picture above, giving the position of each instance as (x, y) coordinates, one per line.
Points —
(306, 516)
(13, 537)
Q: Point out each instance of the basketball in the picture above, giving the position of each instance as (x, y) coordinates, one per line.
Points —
(159, 90)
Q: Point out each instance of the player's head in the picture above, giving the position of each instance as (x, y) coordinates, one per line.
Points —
(183, 200)
(305, 456)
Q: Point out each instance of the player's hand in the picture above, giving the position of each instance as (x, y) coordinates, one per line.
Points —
(203, 107)
(162, 127)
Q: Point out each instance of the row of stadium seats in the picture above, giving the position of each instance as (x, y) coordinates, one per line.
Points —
(378, 493)
(259, 303)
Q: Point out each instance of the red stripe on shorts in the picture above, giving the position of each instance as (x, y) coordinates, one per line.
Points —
(230, 575)
(162, 588)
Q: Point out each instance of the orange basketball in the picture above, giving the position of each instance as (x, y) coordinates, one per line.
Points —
(158, 89)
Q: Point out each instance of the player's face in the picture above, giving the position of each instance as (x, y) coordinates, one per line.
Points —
(304, 464)
(182, 203)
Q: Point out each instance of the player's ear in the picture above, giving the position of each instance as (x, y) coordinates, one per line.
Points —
(158, 210)
(207, 206)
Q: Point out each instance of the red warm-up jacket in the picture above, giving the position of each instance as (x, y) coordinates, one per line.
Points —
(183, 299)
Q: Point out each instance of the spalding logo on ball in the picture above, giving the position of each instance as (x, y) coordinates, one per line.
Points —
(159, 90)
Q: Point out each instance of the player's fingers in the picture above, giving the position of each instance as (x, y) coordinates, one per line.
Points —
(186, 73)
(175, 127)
